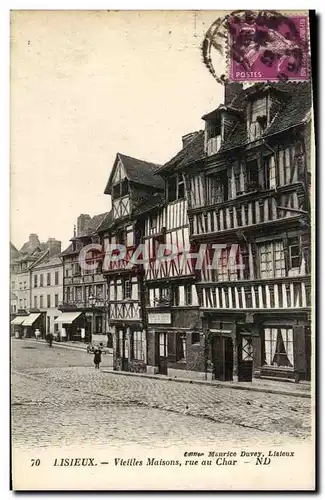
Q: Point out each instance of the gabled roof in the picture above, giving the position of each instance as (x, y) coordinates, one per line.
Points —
(138, 171)
(14, 253)
(193, 151)
(53, 261)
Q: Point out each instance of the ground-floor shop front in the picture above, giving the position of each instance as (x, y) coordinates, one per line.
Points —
(129, 346)
(241, 346)
(79, 326)
(176, 344)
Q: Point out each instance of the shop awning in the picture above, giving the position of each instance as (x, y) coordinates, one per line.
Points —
(67, 317)
(18, 320)
(30, 320)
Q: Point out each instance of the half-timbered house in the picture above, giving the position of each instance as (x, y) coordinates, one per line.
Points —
(131, 184)
(175, 344)
(84, 306)
(248, 202)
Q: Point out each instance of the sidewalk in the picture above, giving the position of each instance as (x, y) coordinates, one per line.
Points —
(302, 389)
(69, 344)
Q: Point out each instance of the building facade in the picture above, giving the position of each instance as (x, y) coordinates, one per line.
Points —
(132, 186)
(235, 204)
(84, 303)
(249, 204)
(28, 298)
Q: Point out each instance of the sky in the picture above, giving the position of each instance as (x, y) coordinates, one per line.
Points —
(86, 85)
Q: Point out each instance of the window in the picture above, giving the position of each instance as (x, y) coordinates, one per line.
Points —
(25, 303)
(195, 337)
(272, 262)
(127, 289)
(77, 269)
(56, 278)
(78, 293)
(56, 300)
(56, 325)
(137, 346)
(49, 301)
(123, 348)
(41, 301)
(252, 175)
(67, 273)
(176, 296)
(163, 345)
(41, 280)
(48, 279)
(12, 285)
(278, 347)
(25, 285)
(246, 349)
(175, 188)
(121, 237)
(188, 295)
(294, 252)
(35, 303)
(20, 303)
(120, 189)
(269, 173)
(258, 118)
(153, 222)
(35, 281)
(20, 285)
(99, 292)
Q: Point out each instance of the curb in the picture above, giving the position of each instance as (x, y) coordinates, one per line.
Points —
(57, 344)
(211, 384)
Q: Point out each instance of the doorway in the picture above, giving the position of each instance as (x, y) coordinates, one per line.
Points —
(245, 355)
(222, 357)
(163, 353)
(123, 349)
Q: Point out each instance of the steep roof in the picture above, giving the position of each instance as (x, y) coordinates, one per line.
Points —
(53, 261)
(149, 203)
(106, 222)
(291, 114)
(14, 253)
(193, 151)
(139, 171)
(69, 250)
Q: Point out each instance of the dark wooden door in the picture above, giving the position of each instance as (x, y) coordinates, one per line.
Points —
(222, 357)
(245, 355)
(123, 349)
(162, 353)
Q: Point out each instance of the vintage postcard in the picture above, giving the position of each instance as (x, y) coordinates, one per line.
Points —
(162, 250)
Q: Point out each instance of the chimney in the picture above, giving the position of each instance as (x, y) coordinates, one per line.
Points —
(231, 91)
(82, 222)
(187, 138)
(33, 240)
(54, 246)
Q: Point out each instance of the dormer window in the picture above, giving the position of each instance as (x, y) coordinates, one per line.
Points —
(120, 189)
(175, 188)
(258, 118)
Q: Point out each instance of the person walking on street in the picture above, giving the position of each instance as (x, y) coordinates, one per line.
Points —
(97, 358)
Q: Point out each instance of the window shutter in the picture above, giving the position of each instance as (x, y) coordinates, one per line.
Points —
(299, 350)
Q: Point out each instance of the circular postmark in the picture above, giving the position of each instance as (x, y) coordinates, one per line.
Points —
(259, 46)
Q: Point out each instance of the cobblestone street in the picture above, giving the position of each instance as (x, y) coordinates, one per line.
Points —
(59, 399)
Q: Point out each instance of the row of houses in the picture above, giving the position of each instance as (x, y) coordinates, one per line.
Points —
(233, 300)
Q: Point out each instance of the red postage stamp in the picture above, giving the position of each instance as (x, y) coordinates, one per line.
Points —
(268, 46)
